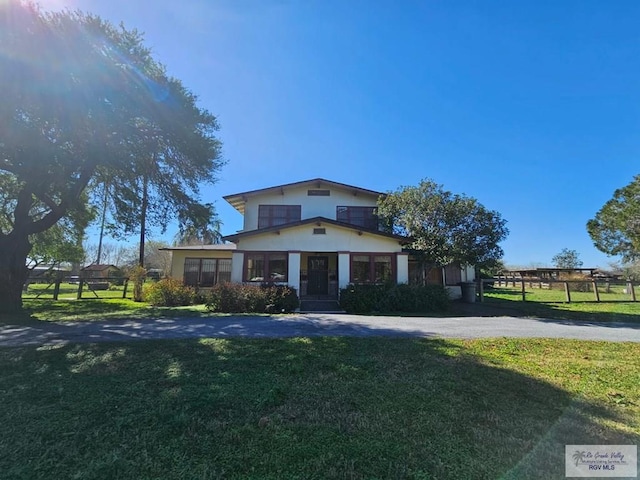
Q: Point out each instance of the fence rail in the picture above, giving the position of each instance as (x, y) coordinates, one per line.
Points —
(593, 286)
(85, 285)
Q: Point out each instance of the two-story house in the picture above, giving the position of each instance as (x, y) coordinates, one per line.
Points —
(316, 235)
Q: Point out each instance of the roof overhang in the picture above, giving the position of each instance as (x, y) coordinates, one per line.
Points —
(318, 221)
(238, 200)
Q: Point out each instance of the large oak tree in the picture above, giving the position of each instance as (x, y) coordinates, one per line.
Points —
(615, 230)
(85, 101)
(445, 227)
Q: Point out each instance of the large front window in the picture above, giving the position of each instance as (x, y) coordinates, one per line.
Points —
(206, 272)
(371, 268)
(273, 215)
(266, 267)
(365, 217)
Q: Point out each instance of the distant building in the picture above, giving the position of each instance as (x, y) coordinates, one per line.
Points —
(100, 272)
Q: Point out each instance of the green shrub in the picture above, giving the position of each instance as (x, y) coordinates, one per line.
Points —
(281, 299)
(241, 298)
(394, 298)
(169, 292)
(361, 298)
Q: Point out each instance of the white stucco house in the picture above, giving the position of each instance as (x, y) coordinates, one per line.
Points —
(315, 235)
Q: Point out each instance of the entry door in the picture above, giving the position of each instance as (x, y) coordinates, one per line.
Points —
(318, 276)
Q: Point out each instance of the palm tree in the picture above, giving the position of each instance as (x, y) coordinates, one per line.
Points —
(578, 456)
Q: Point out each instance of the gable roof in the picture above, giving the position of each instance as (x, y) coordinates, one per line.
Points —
(98, 267)
(238, 200)
(317, 220)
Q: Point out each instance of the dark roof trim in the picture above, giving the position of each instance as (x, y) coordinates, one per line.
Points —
(98, 267)
(317, 220)
(210, 248)
(237, 200)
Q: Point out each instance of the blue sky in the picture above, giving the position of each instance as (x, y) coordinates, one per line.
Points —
(533, 107)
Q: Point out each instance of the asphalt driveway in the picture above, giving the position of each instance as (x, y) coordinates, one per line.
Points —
(313, 325)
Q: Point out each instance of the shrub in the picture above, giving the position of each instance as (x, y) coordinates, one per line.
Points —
(169, 292)
(137, 276)
(281, 299)
(361, 298)
(241, 298)
(394, 298)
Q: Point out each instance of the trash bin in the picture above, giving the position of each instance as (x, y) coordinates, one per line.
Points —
(468, 292)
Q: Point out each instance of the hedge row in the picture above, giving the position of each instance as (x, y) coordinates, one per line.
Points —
(239, 298)
(394, 298)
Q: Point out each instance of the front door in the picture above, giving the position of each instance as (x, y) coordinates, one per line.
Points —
(318, 276)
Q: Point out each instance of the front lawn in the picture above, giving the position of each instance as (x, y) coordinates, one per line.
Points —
(94, 309)
(313, 408)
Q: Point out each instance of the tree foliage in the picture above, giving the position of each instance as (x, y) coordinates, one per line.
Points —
(85, 101)
(203, 234)
(567, 259)
(615, 230)
(445, 227)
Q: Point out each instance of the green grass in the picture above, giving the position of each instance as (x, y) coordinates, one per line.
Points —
(101, 309)
(69, 291)
(313, 408)
(551, 304)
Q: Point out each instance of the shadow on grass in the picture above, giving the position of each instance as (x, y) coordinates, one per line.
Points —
(91, 309)
(304, 408)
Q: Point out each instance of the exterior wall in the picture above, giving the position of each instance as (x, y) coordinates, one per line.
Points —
(402, 268)
(237, 265)
(294, 271)
(344, 269)
(468, 274)
(312, 206)
(178, 257)
(335, 240)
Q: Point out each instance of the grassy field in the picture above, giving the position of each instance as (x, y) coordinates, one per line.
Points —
(313, 408)
(550, 304)
(69, 291)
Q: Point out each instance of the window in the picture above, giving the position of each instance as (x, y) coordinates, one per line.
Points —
(319, 193)
(206, 272)
(319, 231)
(371, 268)
(266, 267)
(272, 215)
(360, 269)
(365, 217)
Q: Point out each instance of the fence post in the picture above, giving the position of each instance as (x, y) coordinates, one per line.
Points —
(79, 296)
(595, 290)
(56, 287)
(567, 292)
(481, 290)
(124, 291)
(523, 291)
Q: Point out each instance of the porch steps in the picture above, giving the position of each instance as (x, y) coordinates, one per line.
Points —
(324, 306)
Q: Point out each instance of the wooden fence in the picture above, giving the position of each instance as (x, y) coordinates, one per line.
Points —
(541, 283)
(85, 285)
